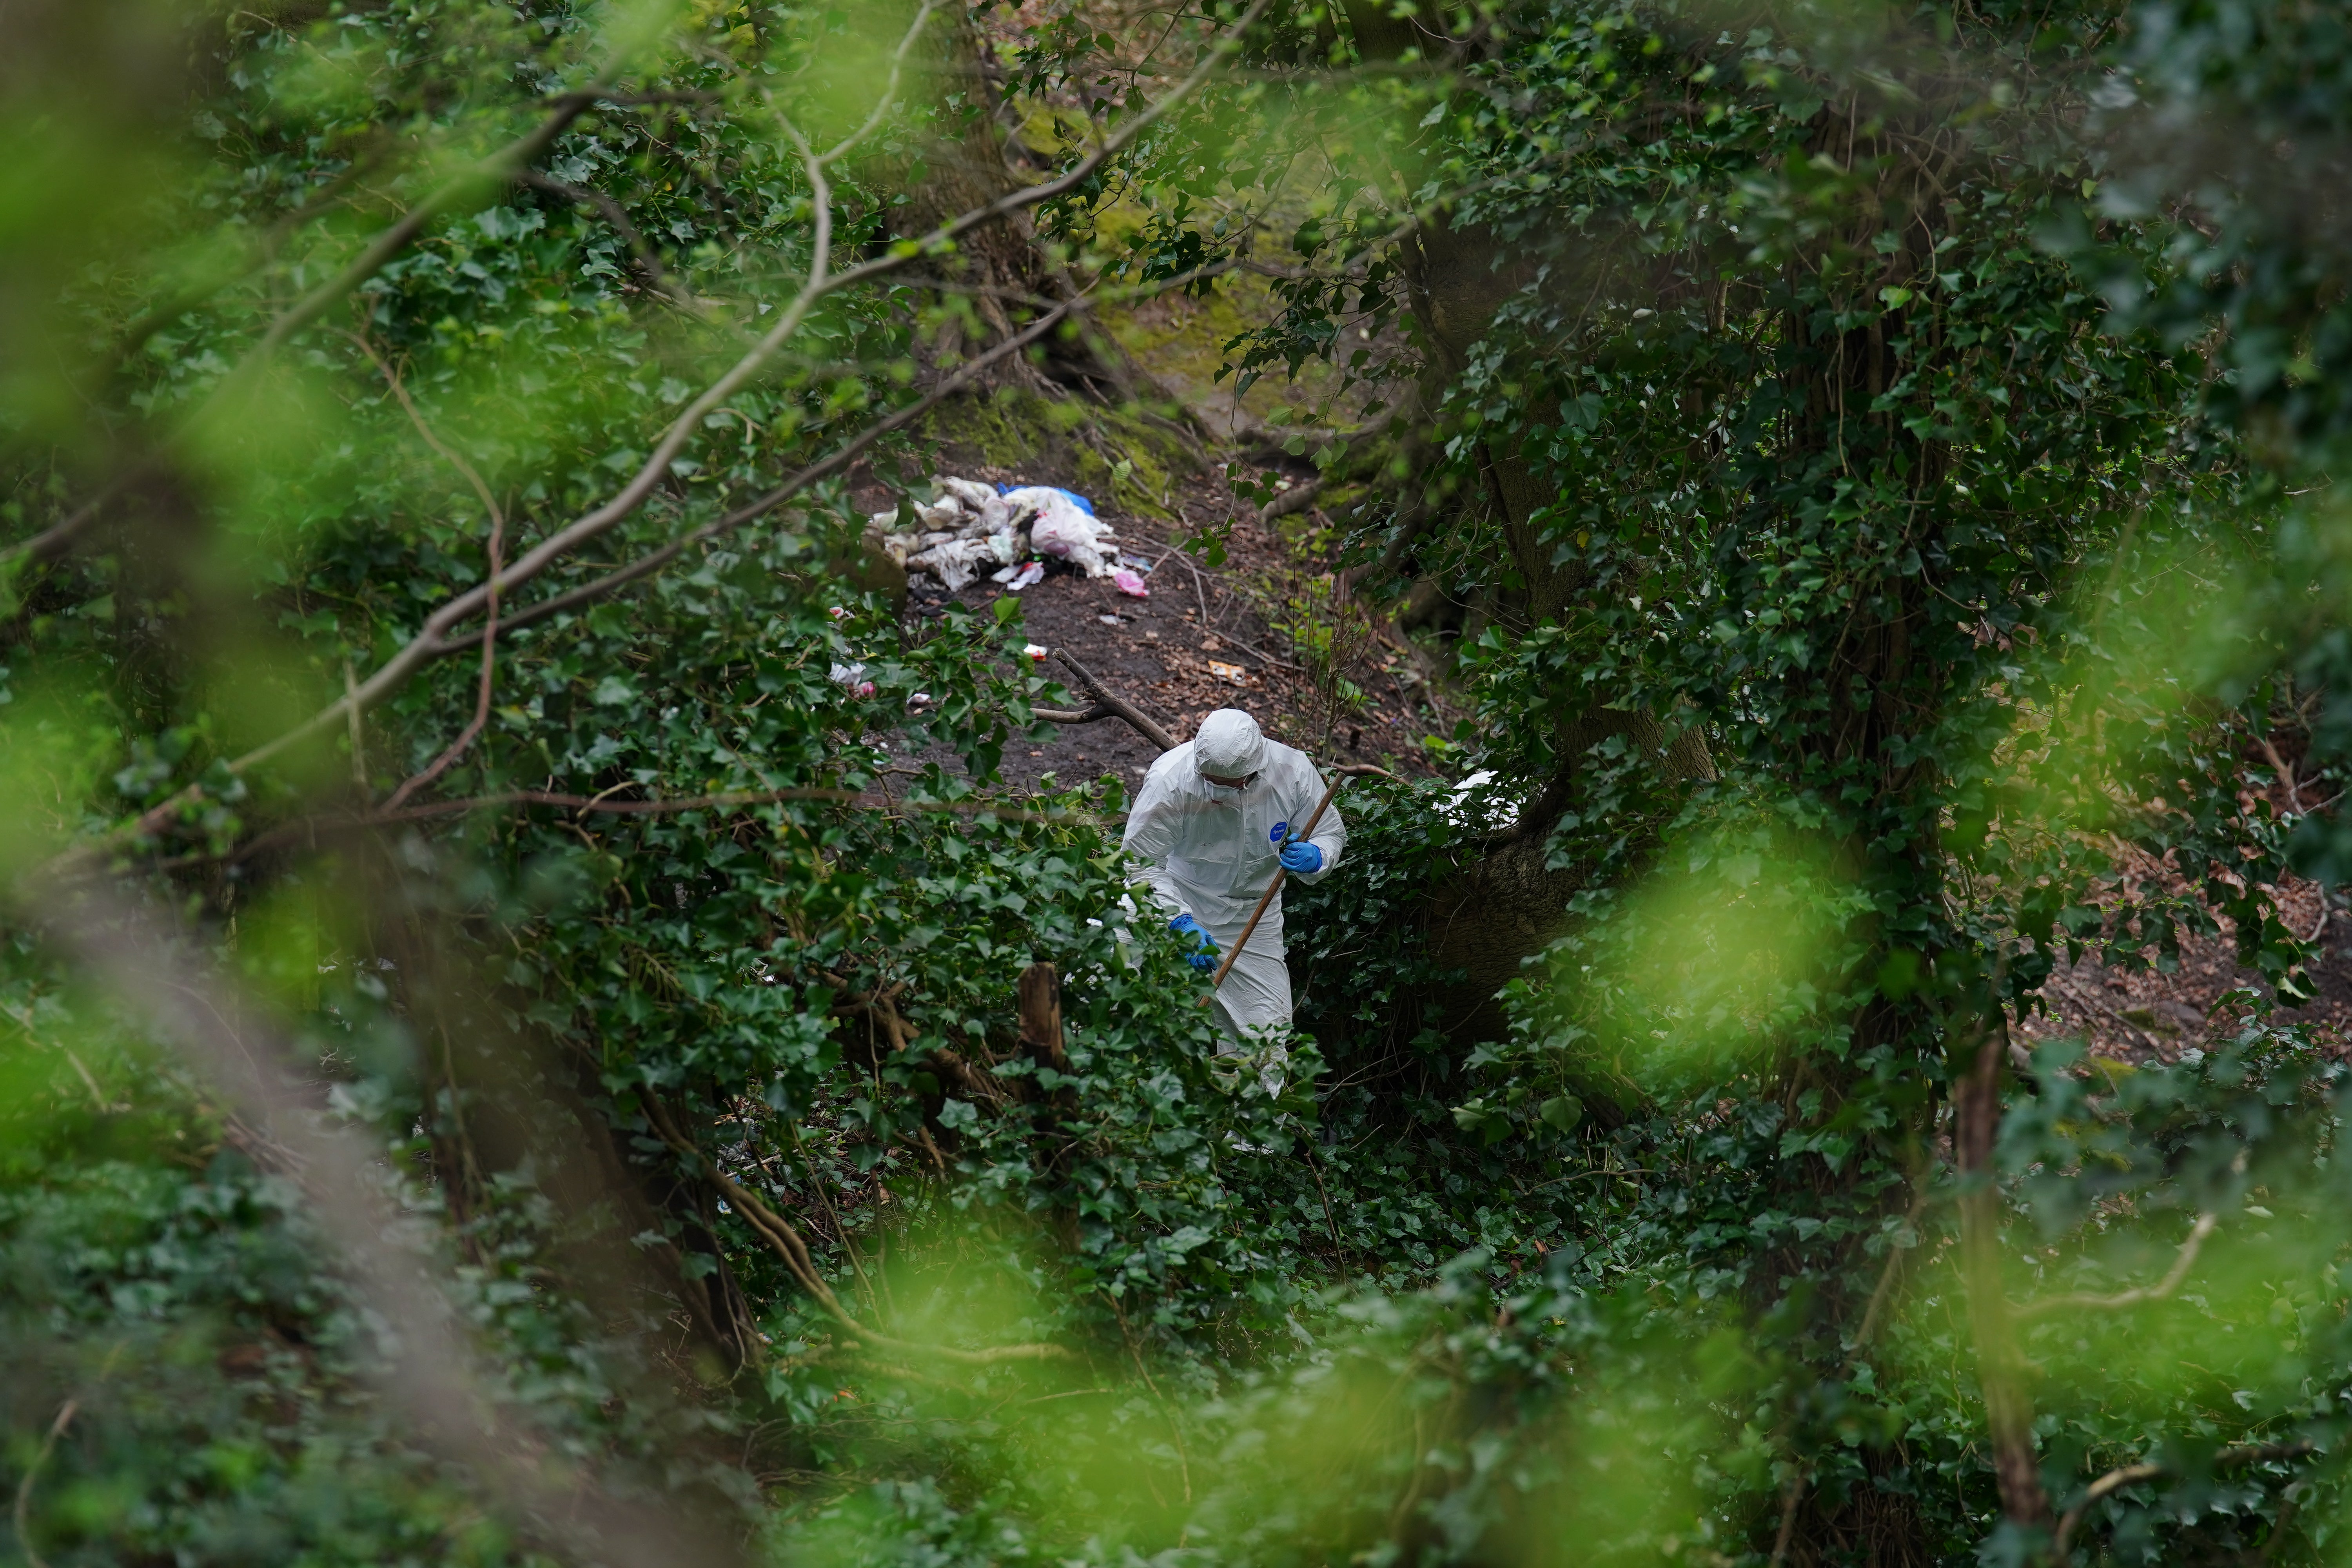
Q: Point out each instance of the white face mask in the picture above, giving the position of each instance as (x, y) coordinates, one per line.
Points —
(1224, 794)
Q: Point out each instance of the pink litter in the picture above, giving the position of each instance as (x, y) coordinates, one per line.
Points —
(1128, 583)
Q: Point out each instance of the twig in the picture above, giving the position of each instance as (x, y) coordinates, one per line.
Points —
(2099, 1004)
(2181, 1264)
(824, 469)
(786, 1243)
(2286, 776)
(1106, 697)
(24, 1512)
(2148, 1470)
(839, 1229)
(359, 736)
(1791, 1495)
(1978, 1055)
(1255, 652)
(617, 216)
(496, 551)
(1885, 1288)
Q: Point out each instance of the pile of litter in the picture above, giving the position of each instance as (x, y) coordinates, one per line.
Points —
(973, 528)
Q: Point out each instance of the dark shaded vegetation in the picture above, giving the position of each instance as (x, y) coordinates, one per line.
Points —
(536, 1029)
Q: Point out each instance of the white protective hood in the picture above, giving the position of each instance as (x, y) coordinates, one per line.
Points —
(1213, 858)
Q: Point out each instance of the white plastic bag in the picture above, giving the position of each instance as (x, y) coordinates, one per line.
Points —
(1061, 527)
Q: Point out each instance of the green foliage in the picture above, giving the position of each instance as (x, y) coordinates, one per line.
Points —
(1911, 543)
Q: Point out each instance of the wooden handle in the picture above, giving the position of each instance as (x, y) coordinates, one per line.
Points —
(1273, 887)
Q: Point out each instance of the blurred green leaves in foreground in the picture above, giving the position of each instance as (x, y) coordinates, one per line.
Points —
(499, 867)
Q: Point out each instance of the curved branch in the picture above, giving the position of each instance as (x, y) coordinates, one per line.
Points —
(2156, 1292)
(429, 644)
(617, 217)
(481, 719)
(815, 473)
(2131, 1475)
(1112, 703)
(780, 1238)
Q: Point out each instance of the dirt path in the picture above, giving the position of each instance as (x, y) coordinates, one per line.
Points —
(1200, 641)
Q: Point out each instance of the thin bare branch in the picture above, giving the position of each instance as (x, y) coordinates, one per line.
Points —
(888, 96)
(428, 642)
(2185, 1260)
(814, 474)
(2115, 1480)
(495, 551)
(22, 1516)
(787, 1244)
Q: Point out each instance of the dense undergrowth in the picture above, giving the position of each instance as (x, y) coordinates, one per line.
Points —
(1868, 501)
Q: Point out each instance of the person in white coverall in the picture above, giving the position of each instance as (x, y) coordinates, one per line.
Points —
(1213, 820)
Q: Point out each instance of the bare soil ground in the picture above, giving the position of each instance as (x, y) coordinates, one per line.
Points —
(2140, 1017)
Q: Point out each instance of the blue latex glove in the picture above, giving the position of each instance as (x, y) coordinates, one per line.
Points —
(1203, 956)
(1301, 856)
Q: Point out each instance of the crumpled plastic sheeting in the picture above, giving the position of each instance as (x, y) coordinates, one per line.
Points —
(1062, 524)
(955, 561)
(971, 529)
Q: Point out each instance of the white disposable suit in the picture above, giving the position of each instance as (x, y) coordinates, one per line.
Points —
(1208, 851)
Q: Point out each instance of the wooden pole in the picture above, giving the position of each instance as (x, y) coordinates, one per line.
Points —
(1266, 899)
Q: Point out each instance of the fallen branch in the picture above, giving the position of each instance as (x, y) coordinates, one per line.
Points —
(1297, 497)
(2130, 1475)
(2065, 987)
(1073, 715)
(1111, 702)
(2181, 1264)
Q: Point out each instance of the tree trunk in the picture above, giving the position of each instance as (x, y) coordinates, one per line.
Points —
(1000, 273)
(2000, 1371)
